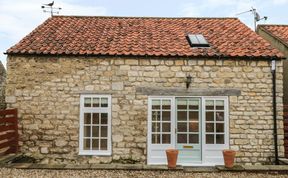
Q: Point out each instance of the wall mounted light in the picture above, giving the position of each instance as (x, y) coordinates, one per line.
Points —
(188, 81)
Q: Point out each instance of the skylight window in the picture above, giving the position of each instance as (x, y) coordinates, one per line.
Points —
(197, 40)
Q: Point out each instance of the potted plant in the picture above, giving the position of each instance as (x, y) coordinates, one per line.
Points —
(229, 157)
(172, 155)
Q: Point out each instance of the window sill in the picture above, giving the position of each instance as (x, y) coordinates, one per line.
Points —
(90, 153)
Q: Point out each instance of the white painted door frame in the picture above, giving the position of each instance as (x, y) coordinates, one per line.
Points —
(208, 150)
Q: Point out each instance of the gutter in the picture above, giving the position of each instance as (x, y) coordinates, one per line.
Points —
(273, 68)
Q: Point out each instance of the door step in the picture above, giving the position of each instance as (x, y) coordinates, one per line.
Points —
(199, 169)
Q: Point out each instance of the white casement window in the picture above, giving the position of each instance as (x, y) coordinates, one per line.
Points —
(95, 125)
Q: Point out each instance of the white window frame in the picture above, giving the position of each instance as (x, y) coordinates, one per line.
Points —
(107, 110)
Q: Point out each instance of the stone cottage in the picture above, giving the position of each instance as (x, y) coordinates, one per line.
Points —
(277, 35)
(124, 89)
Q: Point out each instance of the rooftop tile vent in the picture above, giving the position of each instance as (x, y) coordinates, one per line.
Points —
(197, 40)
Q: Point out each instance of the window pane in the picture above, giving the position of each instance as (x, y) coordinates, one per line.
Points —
(182, 138)
(182, 104)
(209, 116)
(155, 104)
(87, 118)
(95, 102)
(219, 127)
(165, 138)
(104, 118)
(166, 116)
(103, 144)
(209, 127)
(182, 115)
(155, 115)
(182, 127)
(155, 138)
(220, 139)
(95, 118)
(87, 102)
(193, 115)
(194, 104)
(95, 131)
(87, 131)
(219, 116)
(104, 131)
(104, 102)
(165, 127)
(210, 105)
(155, 126)
(193, 138)
(220, 105)
(166, 104)
(95, 144)
(86, 144)
(193, 127)
(209, 139)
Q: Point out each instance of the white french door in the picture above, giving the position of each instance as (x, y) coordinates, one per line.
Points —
(197, 126)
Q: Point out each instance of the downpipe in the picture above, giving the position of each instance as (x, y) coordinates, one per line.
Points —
(273, 70)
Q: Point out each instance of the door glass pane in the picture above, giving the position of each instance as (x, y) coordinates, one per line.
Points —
(194, 104)
(166, 104)
(182, 115)
(87, 102)
(193, 115)
(87, 118)
(193, 138)
(209, 139)
(104, 131)
(87, 131)
(220, 127)
(155, 138)
(95, 144)
(209, 105)
(104, 102)
(155, 104)
(95, 118)
(193, 127)
(86, 144)
(219, 105)
(165, 127)
(165, 138)
(181, 104)
(95, 131)
(181, 138)
(155, 115)
(182, 127)
(166, 115)
(104, 118)
(209, 127)
(103, 144)
(155, 126)
(219, 139)
(210, 116)
(95, 102)
(219, 116)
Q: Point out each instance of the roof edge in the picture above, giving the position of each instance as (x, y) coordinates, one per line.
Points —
(142, 17)
(272, 35)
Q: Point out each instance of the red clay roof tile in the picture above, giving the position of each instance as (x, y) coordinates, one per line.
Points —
(141, 36)
(279, 31)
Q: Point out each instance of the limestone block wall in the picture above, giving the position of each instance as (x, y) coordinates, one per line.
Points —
(46, 90)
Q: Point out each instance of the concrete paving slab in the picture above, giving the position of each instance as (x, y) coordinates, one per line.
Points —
(277, 167)
(103, 166)
(200, 169)
(255, 168)
(235, 168)
(76, 167)
(47, 166)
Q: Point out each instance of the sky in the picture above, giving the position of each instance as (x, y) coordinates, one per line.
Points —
(19, 17)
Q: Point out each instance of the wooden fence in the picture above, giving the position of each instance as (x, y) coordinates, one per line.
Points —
(8, 131)
(286, 130)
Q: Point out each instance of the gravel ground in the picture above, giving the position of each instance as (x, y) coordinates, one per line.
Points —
(38, 173)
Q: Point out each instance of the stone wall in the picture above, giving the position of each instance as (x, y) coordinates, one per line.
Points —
(46, 91)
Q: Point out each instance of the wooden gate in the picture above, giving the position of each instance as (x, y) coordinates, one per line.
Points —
(8, 131)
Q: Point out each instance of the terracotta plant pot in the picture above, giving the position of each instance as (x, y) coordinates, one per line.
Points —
(229, 157)
(172, 155)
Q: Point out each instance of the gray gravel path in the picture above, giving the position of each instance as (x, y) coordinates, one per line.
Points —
(39, 173)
